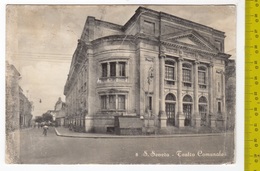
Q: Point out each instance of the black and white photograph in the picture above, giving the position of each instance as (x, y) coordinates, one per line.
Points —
(120, 84)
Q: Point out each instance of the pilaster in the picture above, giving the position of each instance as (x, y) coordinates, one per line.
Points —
(196, 115)
(180, 116)
(163, 117)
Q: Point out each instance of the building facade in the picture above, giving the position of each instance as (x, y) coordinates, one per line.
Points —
(157, 67)
(25, 110)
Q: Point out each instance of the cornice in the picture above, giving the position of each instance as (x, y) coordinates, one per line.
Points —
(109, 25)
(191, 24)
(113, 38)
(188, 47)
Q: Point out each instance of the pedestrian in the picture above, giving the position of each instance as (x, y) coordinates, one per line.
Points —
(45, 129)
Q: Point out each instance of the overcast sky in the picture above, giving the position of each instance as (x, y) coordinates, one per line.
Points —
(41, 40)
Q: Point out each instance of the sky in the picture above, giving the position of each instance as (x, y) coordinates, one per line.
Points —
(41, 40)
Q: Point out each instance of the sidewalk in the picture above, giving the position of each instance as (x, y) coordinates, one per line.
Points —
(65, 132)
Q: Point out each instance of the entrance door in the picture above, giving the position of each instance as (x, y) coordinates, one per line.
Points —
(187, 113)
(170, 113)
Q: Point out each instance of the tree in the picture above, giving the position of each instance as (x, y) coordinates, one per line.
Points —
(47, 117)
(38, 119)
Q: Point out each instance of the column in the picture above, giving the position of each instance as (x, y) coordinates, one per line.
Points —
(117, 71)
(163, 117)
(224, 99)
(180, 115)
(92, 105)
(108, 70)
(196, 115)
(212, 117)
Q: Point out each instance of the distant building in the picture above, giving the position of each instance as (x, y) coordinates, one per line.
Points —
(60, 112)
(25, 110)
(166, 71)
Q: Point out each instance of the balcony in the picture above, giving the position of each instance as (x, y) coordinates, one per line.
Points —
(113, 79)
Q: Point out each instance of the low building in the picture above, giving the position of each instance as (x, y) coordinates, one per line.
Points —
(166, 71)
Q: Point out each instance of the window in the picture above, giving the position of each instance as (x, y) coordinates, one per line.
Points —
(202, 77)
(121, 101)
(187, 109)
(150, 103)
(186, 75)
(170, 101)
(218, 45)
(104, 70)
(112, 69)
(112, 101)
(121, 66)
(219, 107)
(104, 102)
(169, 72)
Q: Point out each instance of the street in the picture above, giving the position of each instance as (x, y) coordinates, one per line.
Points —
(52, 149)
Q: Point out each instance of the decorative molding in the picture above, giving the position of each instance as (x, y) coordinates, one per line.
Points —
(149, 59)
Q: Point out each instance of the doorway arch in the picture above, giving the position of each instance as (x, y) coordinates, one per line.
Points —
(187, 109)
(170, 101)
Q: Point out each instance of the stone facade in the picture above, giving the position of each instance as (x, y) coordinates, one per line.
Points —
(165, 70)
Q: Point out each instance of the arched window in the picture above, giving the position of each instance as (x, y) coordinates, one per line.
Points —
(170, 72)
(187, 109)
(170, 100)
(186, 74)
(203, 110)
(170, 97)
(187, 98)
(202, 77)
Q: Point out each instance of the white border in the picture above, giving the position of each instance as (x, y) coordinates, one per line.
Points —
(239, 139)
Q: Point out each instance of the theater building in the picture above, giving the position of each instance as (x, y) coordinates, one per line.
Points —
(158, 68)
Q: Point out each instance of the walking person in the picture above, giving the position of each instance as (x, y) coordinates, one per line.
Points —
(45, 129)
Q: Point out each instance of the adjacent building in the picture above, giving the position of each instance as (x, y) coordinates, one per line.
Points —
(158, 68)
(25, 110)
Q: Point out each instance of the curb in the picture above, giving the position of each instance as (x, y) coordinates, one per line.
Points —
(139, 136)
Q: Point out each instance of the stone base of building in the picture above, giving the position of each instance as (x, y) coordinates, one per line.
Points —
(89, 124)
(181, 120)
(163, 119)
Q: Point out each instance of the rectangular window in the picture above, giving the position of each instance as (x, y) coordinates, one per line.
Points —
(121, 67)
(169, 73)
(219, 107)
(112, 69)
(150, 103)
(186, 75)
(121, 101)
(104, 102)
(104, 70)
(112, 101)
(202, 78)
(218, 86)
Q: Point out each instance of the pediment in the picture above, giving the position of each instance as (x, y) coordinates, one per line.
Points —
(189, 38)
